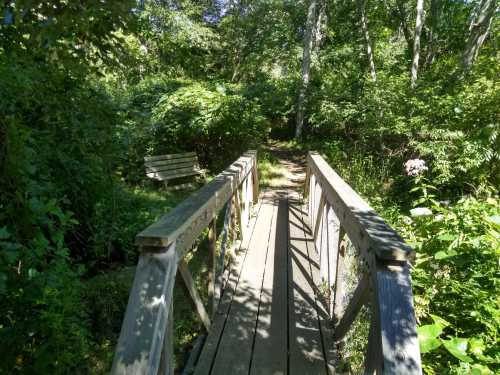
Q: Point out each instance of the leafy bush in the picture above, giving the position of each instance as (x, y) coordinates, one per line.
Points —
(170, 116)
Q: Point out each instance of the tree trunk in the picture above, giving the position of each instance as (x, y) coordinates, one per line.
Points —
(366, 34)
(306, 67)
(404, 24)
(431, 47)
(319, 26)
(479, 29)
(416, 42)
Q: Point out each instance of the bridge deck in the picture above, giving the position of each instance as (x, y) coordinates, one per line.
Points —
(272, 319)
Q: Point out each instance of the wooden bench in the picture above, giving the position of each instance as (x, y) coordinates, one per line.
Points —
(173, 166)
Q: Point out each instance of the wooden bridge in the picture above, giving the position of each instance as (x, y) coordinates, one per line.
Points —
(282, 305)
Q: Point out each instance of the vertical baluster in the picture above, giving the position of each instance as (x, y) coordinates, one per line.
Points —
(373, 359)
(333, 239)
(167, 362)
(244, 209)
(312, 192)
(324, 257)
(255, 176)
(212, 246)
(338, 298)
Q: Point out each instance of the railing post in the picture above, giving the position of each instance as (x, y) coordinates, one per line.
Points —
(167, 362)
(339, 246)
(212, 266)
(396, 318)
(255, 182)
(148, 311)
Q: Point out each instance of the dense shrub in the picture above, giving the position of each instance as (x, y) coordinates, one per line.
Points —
(168, 116)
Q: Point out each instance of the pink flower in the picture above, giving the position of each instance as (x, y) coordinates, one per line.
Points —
(415, 167)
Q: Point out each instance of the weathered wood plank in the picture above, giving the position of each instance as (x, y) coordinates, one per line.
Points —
(172, 167)
(270, 347)
(212, 264)
(373, 359)
(305, 346)
(338, 296)
(358, 299)
(167, 361)
(143, 329)
(322, 305)
(169, 156)
(195, 297)
(171, 174)
(192, 216)
(400, 349)
(366, 229)
(158, 163)
(235, 349)
(207, 357)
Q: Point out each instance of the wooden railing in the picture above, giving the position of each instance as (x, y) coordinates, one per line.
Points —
(145, 345)
(336, 211)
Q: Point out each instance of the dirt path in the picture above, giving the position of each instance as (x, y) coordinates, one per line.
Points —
(285, 168)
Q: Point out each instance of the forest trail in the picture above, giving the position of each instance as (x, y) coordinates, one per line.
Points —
(271, 319)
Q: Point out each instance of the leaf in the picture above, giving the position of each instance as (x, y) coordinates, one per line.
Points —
(439, 320)
(476, 347)
(458, 348)
(441, 255)
(427, 337)
(478, 369)
(446, 237)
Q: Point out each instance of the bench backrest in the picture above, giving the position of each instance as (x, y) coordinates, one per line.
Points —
(167, 167)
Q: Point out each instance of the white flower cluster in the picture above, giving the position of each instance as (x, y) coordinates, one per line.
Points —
(414, 167)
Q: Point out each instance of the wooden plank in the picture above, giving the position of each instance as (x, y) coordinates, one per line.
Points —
(322, 307)
(366, 229)
(169, 156)
(235, 349)
(305, 345)
(338, 297)
(158, 163)
(143, 329)
(212, 263)
(394, 307)
(357, 301)
(207, 357)
(191, 217)
(255, 184)
(319, 215)
(194, 355)
(195, 297)
(167, 361)
(373, 359)
(169, 175)
(172, 167)
(270, 348)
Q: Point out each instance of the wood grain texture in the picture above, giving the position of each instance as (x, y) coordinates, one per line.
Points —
(394, 304)
(235, 349)
(366, 229)
(305, 346)
(270, 347)
(189, 159)
(209, 351)
(140, 344)
(169, 156)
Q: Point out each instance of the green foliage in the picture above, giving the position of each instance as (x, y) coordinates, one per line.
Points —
(167, 116)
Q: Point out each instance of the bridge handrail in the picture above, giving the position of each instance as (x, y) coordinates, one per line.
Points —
(336, 210)
(145, 345)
